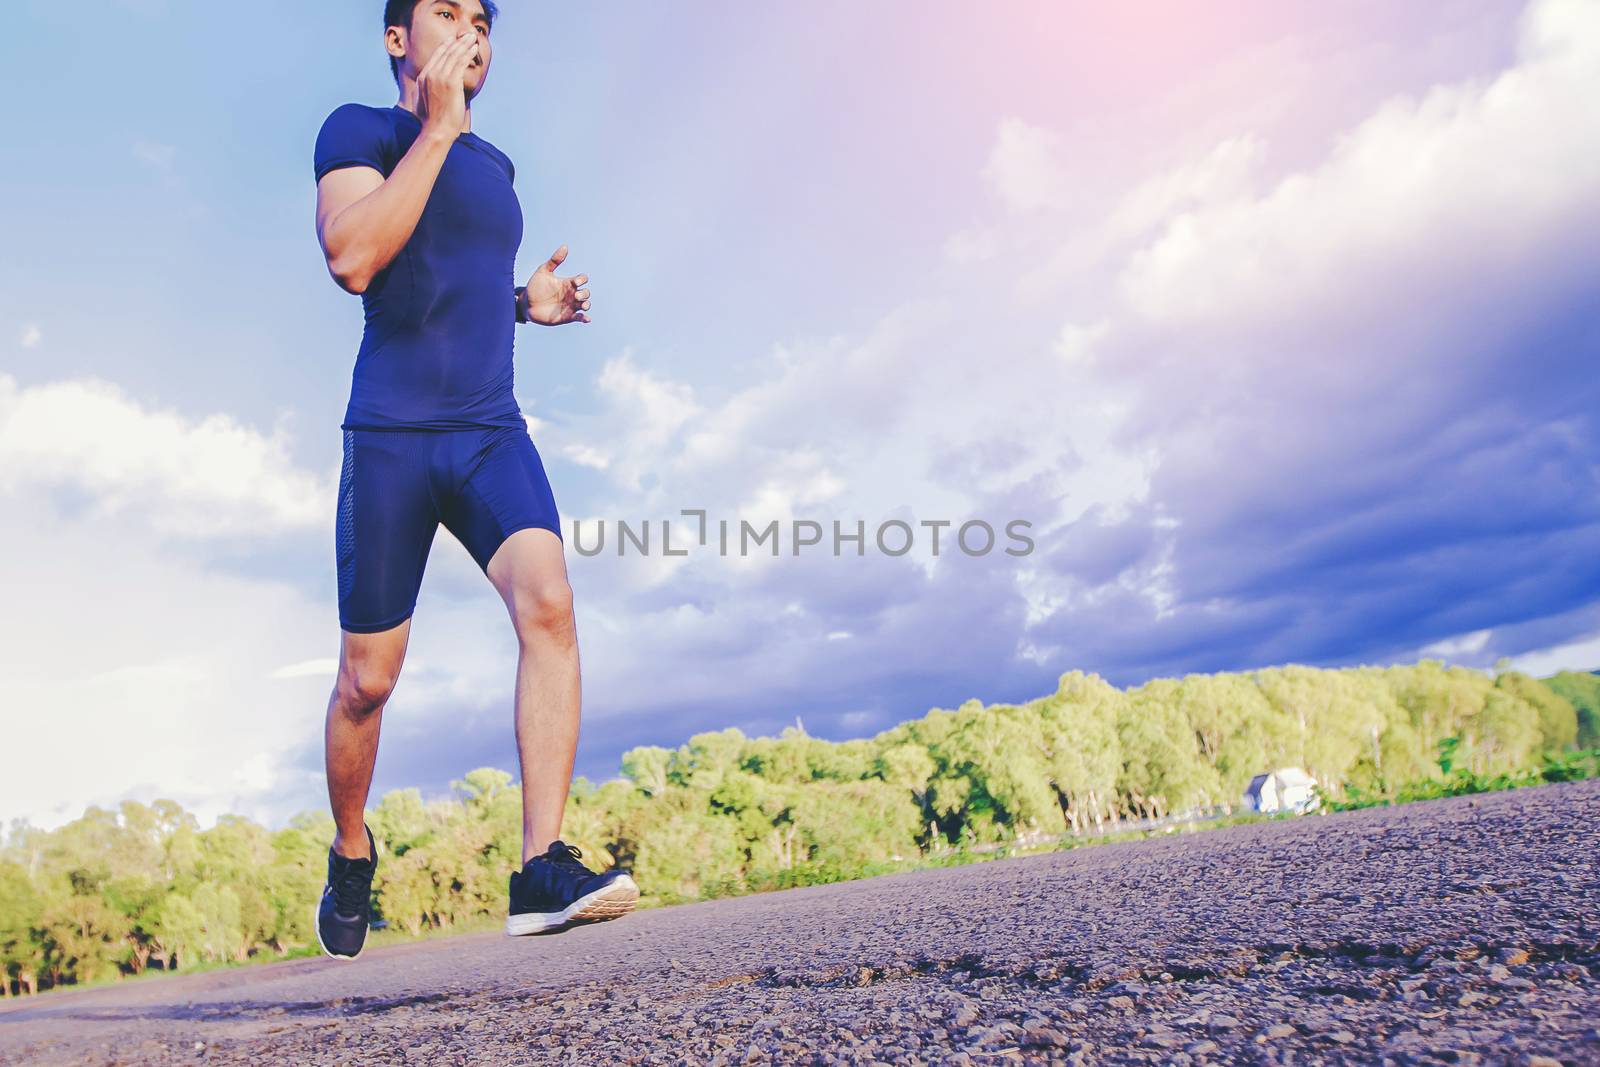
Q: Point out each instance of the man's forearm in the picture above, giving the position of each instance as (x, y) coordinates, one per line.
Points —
(365, 237)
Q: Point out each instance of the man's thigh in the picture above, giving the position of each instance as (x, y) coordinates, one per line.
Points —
(528, 562)
(386, 524)
(504, 512)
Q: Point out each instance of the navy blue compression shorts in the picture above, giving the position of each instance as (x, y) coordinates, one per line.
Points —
(397, 486)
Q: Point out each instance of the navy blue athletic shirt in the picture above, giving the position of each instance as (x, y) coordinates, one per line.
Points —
(436, 350)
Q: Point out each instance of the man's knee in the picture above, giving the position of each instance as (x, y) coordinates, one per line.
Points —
(540, 609)
(362, 690)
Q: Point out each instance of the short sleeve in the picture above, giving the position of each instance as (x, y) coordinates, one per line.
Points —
(505, 161)
(354, 135)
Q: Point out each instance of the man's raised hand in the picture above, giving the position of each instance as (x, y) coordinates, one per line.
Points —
(552, 301)
(441, 85)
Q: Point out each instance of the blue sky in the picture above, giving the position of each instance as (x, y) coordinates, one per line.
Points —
(1277, 324)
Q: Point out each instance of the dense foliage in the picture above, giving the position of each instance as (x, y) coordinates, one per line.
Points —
(1582, 691)
(116, 893)
(1456, 781)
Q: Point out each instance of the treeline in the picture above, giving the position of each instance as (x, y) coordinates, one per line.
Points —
(117, 893)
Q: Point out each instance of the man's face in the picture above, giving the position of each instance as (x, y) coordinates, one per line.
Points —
(434, 24)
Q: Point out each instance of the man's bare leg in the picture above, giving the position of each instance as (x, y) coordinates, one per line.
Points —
(530, 573)
(369, 666)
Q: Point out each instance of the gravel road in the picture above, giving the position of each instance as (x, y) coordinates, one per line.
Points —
(1455, 931)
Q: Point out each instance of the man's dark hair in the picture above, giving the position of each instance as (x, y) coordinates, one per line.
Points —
(400, 12)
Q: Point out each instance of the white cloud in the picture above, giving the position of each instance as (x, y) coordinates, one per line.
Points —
(125, 662)
(126, 670)
(1464, 645)
(133, 666)
(587, 456)
(1283, 345)
(1579, 655)
(188, 477)
(31, 336)
(651, 412)
(324, 668)
(1075, 344)
(1220, 333)
(1423, 189)
(1222, 175)
(1027, 169)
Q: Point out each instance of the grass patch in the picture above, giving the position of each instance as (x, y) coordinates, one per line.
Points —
(1456, 781)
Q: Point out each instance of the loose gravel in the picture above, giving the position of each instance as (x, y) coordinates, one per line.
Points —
(1463, 931)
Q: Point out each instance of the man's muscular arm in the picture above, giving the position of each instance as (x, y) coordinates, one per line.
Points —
(363, 219)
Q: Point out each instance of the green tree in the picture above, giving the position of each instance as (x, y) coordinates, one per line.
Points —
(22, 954)
(1582, 691)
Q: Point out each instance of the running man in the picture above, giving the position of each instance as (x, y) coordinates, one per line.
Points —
(416, 213)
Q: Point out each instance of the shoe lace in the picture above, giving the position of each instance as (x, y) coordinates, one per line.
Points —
(352, 887)
(567, 855)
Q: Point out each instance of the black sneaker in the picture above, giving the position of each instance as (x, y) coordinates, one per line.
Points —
(345, 910)
(554, 890)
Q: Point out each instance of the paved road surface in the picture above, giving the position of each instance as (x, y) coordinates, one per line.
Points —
(1458, 931)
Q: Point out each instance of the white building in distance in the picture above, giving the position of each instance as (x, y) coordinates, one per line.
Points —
(1287, 789)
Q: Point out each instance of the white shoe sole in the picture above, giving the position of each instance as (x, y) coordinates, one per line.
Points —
(613, 900)
(316, 924)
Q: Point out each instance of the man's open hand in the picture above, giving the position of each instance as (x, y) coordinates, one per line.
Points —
(441, 92)
(550, 300)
